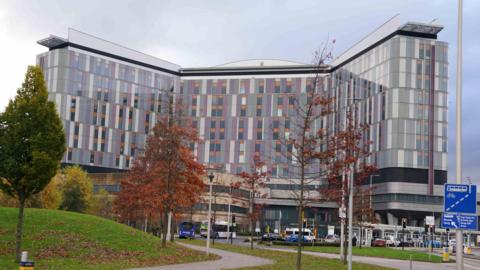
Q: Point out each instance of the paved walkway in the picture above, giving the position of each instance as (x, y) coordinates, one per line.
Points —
(229, 260)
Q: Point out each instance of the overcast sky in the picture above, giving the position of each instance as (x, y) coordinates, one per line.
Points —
(207, 33)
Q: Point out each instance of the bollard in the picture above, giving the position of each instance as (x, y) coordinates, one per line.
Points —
(445, 255)
(411, 262)
(24, 263)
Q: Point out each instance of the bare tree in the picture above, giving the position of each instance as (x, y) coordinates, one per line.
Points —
(306, 145)
(351, 159)
(254, 181)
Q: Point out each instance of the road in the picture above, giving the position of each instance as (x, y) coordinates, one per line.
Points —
(469, 264)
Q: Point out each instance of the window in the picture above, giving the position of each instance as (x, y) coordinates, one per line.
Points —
(73, 104)
(222, 135)
(257, 147)
(212, 135)
(240, 135)
(69, 155)
(276, 123)
(222, 124)
(259, 100)
(280, 100)
(241, 124)
(117, 160)
(92, 157)
(259, 124)
(277, 86)
(291, 100)
(243, 112)
(213, 124)
(289, 86)
(218, 101)
(287, 124)
(261, 87)
(259, 135)
(135, 101)
(259, 112)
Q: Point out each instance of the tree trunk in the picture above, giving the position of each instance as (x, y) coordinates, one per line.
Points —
(164, 228)
(172, 227)
(251, 233)
(345, 243)
(300, 235)
(19, 233)
(251, 219)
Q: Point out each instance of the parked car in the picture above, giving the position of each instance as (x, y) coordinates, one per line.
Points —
(392, 241)
(332, 239)
(452, 242)
(409, 242)
(379, 242)
(271, 237)
(435, 243)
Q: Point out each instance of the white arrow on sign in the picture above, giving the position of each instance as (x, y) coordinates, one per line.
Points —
(453, 224)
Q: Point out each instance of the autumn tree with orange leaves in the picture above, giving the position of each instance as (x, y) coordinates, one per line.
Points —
(166, 177)
(254, 181)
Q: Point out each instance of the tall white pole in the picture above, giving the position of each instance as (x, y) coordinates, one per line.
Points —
(209, 218)
(350, 217)
(458, 135)
(342, 220)
(229, 214)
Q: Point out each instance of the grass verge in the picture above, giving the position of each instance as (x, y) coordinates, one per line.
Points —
(287, 260)
(381, 252)
(67, 240)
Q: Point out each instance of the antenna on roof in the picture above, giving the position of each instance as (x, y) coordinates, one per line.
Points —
(434, 21)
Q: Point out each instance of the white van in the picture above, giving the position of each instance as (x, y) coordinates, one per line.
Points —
(307, 234)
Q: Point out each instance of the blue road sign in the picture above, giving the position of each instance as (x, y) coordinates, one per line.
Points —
(458, 221)
(460, 199)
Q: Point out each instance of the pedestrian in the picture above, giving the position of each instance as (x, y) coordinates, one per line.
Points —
(354, 240)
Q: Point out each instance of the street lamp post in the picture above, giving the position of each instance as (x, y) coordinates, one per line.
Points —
(350, 217)
(350, 197)
(229, 215)
(210, 177)
(458, 128)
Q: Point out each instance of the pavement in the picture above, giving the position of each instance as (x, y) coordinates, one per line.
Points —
(228, 260)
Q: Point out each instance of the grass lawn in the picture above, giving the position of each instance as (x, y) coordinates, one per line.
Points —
(286, 260)
(382, 252)
(67, 240)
